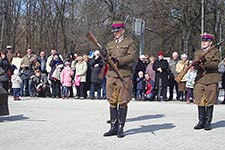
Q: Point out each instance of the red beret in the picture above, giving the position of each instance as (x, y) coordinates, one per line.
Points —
(207, 36)
(160, 53)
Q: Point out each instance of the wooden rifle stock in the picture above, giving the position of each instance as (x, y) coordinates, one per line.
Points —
(93, 39)
(179, 77)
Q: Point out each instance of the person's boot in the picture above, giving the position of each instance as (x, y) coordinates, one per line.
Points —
(113, 122)
(188, 100)
(201, 117)
(209, 115)
(121, 120)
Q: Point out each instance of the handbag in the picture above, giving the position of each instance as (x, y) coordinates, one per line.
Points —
(77, 80)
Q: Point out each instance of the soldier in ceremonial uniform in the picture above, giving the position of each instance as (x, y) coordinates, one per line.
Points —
(123, 52)
(206, 87)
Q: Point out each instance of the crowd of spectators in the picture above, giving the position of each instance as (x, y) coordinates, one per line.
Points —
(84, 76)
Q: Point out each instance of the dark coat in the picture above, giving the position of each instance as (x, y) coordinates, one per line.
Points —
(140, 83)
(53, 64)
(164, 74)
(26, 73)
(4, 68)
(96, 70)
(44, 61)
(139, 66)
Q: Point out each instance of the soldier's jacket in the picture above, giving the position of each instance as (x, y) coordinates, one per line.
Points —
(210, 67)
(125, 52)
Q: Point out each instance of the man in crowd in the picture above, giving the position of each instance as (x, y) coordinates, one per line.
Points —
(173, 74)
(9, 53)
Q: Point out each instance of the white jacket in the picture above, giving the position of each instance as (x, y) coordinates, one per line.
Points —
(16, 81)
(191, 78)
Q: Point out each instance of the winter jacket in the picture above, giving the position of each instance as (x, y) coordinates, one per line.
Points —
(16, 81)
(163, 76)
(149, 86)
(140, 83)
(190, 76)
(26, 73)
(96, 70)
(4, 68)
(56, 66)
(180, 66)
(81, 70)
(150, 71)
(66, 76)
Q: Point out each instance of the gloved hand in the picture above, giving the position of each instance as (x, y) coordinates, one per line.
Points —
(104, 52)
(202, 59)
(115, 60)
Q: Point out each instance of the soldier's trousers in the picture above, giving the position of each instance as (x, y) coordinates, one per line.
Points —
(117, 93)
(205, 95)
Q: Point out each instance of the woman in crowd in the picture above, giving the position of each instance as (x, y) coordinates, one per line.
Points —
(56, 65)
(180, 66)
(96, 64)
(80, 77)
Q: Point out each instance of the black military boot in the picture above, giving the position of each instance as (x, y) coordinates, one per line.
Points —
(209, 115)
(201, 117)
(121, 121)
(113, 122)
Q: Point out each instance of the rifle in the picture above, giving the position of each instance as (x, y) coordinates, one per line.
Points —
(107, 59)
(179, 77)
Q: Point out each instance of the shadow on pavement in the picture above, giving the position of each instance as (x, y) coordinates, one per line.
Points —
(13, 118)
(218, 124)
(145, 117)
(150, 128)
(18, 118)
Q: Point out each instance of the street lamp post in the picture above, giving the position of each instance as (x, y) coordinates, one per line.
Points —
(138, 28)
(202, 19)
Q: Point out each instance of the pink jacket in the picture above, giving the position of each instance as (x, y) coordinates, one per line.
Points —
(66, 76)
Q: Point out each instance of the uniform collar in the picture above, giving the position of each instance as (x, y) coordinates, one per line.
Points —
(119, 39)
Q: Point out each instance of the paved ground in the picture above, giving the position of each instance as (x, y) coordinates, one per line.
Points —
(56, 124)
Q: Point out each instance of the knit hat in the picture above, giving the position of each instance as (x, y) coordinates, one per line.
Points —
(161, 53)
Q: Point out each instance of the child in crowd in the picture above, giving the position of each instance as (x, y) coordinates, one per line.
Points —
(149, 87)
(140, 86)
(191, 74)
(66, 79)
(16, 84)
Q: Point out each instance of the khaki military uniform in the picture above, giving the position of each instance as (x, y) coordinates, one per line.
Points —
(206, 88)
(126, 52)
